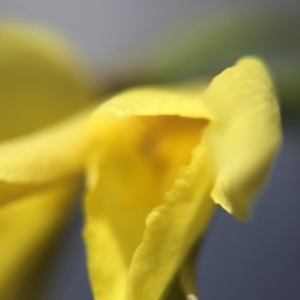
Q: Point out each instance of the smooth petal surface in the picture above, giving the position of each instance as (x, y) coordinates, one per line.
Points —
(50, 155)
(47, 155)
(41, 79)
(28, 227)
(245, 136)
(41, 82)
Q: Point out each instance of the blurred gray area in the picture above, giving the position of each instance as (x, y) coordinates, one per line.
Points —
(65, 277)
(255, 261)
(108, 30)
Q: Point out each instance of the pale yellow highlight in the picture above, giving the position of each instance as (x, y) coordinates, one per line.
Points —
(244, 139)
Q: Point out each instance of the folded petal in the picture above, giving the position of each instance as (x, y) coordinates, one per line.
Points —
(156, 161)
(28, 227)
(245, 135)
(142, 160)
(41, 80)
(171, 230)
(47, 155)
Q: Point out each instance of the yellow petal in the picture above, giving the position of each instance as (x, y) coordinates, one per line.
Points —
(171, 230)
(27, 229)
(41, 79)
(246, 134)
(150, 101)
(155, 160)
(144, 138)
(48, 155)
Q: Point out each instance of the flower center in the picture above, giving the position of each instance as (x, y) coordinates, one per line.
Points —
(138, 161)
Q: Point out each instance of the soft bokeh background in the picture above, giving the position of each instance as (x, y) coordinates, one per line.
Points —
(161, 39)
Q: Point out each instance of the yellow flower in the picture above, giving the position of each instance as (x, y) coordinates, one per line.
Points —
(161, 158)
(40, 85)
(156, 161)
